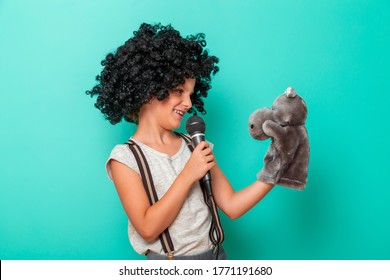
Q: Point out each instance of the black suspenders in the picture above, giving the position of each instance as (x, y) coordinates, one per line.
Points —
(216, 232)
(147, 181)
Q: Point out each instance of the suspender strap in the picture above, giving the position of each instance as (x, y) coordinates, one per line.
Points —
(147, 181)
(216, 231)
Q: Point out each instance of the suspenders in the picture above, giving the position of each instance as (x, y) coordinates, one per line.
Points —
(216, 232)
(147, 181)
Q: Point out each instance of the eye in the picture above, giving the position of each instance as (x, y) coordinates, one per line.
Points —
(178, 91)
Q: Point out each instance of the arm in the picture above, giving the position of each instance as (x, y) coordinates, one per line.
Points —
(274, 130)
(235, 204)
(150, 220)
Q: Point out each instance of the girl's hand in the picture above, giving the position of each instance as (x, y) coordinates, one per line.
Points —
(201, 161)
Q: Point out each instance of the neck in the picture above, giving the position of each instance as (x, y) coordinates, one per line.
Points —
(149, 131)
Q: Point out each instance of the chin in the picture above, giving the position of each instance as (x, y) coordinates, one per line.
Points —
(172, 126)
(176, 126)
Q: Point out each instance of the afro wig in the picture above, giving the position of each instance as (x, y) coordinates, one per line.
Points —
(150, 64)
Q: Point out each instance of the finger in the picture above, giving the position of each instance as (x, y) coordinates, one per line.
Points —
(198, 148)
(210, 165)
(209, 158)
(202, 145)
(207, 151)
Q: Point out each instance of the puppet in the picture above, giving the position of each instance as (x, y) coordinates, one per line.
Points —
(287, 159)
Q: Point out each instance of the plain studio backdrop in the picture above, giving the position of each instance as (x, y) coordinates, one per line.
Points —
(56, 201)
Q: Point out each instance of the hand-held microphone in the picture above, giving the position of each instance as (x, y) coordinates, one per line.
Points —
(196, 127)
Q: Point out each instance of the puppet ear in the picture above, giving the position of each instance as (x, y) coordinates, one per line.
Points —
(290, 92)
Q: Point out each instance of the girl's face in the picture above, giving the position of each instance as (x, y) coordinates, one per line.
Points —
(170, 111)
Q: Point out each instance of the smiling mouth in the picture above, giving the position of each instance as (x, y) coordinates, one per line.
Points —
(181, 113)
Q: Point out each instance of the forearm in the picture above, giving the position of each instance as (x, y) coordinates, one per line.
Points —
(242, 201)
(161, 215)
(235, 204)
(156, 218)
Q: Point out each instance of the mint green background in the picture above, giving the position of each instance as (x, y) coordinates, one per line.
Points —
(56, 201)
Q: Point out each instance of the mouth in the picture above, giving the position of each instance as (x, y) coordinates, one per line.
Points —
(180, 113)
(258, 135)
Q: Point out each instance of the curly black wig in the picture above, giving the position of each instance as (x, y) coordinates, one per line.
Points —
(151, 63)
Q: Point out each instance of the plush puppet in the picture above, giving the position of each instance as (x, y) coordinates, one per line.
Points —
(286, 161)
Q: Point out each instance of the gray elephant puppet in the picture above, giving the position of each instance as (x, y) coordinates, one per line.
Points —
(287, 159)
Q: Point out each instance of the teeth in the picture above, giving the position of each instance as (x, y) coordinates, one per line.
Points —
(179, 112)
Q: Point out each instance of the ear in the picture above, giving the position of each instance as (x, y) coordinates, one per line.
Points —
(290, 92)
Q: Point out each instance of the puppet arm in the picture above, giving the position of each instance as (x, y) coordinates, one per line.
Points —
(275, 159)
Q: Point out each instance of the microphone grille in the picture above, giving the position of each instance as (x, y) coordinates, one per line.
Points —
(195, 124)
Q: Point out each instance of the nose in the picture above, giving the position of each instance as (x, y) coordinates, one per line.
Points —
(187, 103)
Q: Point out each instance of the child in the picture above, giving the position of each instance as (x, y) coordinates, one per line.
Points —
(153, 80)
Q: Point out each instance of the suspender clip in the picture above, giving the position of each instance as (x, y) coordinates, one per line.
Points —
(170, 255)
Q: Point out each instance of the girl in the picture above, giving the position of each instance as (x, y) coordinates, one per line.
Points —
(154, 80)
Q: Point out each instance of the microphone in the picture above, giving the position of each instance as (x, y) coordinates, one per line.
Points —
(196, 127)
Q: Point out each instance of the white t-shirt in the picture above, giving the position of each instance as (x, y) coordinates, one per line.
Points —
(190, 230)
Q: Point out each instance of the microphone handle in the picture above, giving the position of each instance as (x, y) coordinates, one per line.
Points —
(206, 179)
